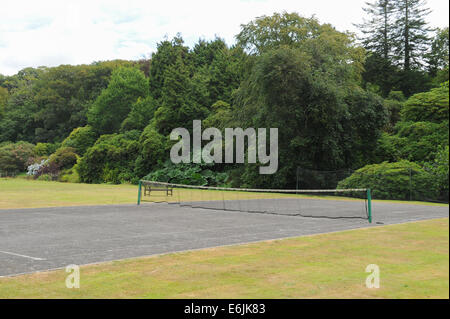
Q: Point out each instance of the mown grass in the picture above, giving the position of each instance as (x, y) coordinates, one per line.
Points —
(413, 260)
(25, 193)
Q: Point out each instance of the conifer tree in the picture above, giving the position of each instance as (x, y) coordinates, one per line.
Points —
(378, 30)
(437, 58)
(411, 40)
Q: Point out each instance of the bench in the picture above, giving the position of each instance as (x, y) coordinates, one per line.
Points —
(148, 188)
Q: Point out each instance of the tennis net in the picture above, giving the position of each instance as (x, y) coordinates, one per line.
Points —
(334, 203)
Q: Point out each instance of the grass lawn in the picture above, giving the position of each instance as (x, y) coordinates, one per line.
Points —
(413, 260)
(25, 193)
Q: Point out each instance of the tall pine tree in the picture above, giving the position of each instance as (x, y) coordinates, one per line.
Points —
(378, 39)
(412, 40)
(437, 58)
(378, 30)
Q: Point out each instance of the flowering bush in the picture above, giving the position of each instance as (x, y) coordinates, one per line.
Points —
(44, 167)
(51, 168)
(33, 169)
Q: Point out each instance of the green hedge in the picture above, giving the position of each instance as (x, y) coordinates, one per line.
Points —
(402, 180)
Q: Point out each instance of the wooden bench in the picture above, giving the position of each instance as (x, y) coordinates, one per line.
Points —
(148, 188)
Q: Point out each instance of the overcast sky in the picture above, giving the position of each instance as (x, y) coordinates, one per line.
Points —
(53, 32)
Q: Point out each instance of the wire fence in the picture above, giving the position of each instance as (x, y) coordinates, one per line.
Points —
(4, 174)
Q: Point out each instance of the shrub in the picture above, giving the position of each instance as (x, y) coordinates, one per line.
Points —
(33, 169)
(64, 157)
(69, 175)
(81, 138)
(422, 138)
(402, 180)
(413, 141)
(50, 168)
(110, 157)
(45, 177)
(440, 170)
(14, 156)
(188, 174)
(41, 149)
(429, 106)
(45, 149)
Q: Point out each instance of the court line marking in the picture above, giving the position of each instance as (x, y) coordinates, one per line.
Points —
(19, 255)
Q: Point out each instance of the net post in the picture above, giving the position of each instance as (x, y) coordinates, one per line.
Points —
(139, 193)
(369, 205)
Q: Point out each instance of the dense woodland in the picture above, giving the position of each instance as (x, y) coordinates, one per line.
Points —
(374, 103)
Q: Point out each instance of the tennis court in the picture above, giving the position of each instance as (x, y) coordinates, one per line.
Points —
(48, 238)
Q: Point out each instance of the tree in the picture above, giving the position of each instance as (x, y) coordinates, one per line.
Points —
(114, 103)
(152, 150)
(18, 122)
(437, 59)
(205, 52)
(412, 38)
(378, 39)
(331, 51)
(225, 74)
(3, 99)
(270, 32)
(46, 104)
(142, 111)
(166, 56)
(380, 75)
(312, 111)
(62, 95)
(301, 77)
(378, 30)
(217, 71)
(363, 127)
(178, 107)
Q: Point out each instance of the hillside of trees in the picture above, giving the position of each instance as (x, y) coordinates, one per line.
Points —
(339, 102)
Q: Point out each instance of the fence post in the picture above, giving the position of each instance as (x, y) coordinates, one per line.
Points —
(139, 193)
(410, 184)
(369, 205)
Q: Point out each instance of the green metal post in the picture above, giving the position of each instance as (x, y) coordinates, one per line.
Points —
(139, 193)
(410, 184)
(369, 205)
